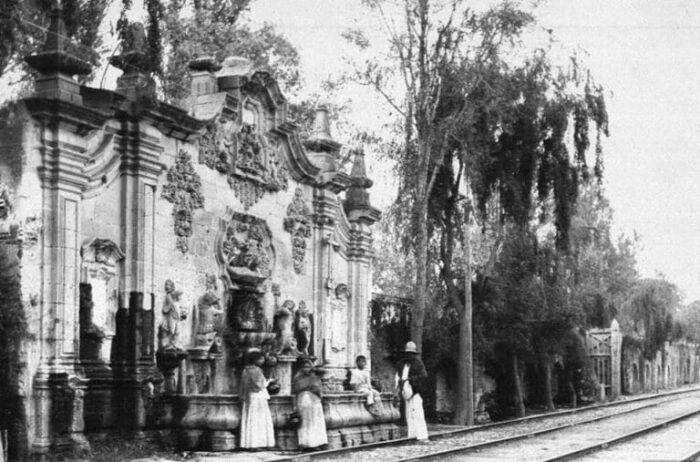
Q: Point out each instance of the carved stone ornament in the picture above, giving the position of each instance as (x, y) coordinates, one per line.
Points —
(184, 190)
(298, 224)
(250, 161)
(245, 250)
(339, 318)
(6, 204)
(216, 146)
(100, 257)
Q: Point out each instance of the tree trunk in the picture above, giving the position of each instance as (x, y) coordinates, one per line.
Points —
(519, 403)
(464, 412)
(547, 369)
(570, 374)
(420, 290)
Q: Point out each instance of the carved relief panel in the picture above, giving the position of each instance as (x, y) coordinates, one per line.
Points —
(184, 190)
(252, 161)
(298, 224)
(245, 250)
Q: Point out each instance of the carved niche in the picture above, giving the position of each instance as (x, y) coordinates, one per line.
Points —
(99, 297)
(245, 250)
(184, 190)
(298, 224)
(251, 162)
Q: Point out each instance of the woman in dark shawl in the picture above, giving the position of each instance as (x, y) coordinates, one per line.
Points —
(307, 389)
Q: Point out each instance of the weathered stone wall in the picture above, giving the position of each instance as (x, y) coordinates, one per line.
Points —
(144, 227)
(677, 364)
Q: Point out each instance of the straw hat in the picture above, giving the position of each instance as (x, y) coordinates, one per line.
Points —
(410, 348)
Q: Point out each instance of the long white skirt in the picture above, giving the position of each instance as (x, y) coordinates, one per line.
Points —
(415, 418)
(312, 432)
(257, 430)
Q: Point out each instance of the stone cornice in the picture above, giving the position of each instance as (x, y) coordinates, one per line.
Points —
(82, 118)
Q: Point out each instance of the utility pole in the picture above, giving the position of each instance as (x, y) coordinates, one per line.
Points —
(465, 326)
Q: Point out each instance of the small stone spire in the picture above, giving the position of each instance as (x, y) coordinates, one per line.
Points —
(357, 204)
(56, 65)
(322, 126)
(321, 139)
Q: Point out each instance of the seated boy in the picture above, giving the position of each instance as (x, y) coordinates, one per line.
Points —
(361, 382)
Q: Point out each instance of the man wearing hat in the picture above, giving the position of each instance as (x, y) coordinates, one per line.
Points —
(411, 378)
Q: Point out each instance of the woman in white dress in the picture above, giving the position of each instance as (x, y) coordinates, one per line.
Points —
(410, 383)
(257, 430)
(306, 386)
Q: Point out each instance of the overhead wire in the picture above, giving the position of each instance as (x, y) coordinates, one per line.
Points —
(92, 50)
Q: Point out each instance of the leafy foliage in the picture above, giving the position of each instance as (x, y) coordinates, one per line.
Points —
(23, 28)
(214, 28)
(649, 313)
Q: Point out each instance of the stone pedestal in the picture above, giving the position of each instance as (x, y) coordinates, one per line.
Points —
(282, 372)
(168, 362)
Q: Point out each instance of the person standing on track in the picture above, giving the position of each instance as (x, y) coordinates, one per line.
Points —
(410, 379)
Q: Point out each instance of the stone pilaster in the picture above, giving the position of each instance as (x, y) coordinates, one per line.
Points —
(135, 367)
(57, 108)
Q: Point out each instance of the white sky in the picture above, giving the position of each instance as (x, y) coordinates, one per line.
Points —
(647, 56)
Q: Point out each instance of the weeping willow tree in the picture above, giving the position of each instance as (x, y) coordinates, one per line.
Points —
(537, 179)
(524, 151)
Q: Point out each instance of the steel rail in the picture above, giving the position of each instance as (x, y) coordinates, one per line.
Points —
(465, 430)
(622, 438)
(690, 457)
(522, 436)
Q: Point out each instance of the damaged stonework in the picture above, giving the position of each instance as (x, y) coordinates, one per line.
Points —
(160, 245)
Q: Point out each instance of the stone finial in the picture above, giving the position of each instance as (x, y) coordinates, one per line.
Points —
(56, 65)
(136, 64)
(234, 69)
(54, 57)
(203, 79)
(236, 66)
(322, 129)
(321, 140)
(204, 64)
(357, 205)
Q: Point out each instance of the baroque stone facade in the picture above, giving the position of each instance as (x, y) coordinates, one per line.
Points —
(150, 239)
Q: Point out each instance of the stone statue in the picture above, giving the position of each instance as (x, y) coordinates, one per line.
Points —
(303, 328)
(168, 329)
(284, 328)
(208, 311)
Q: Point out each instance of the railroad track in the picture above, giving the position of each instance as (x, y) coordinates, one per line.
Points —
(465, 440)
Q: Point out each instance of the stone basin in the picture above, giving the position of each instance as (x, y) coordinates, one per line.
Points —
(211, 422)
